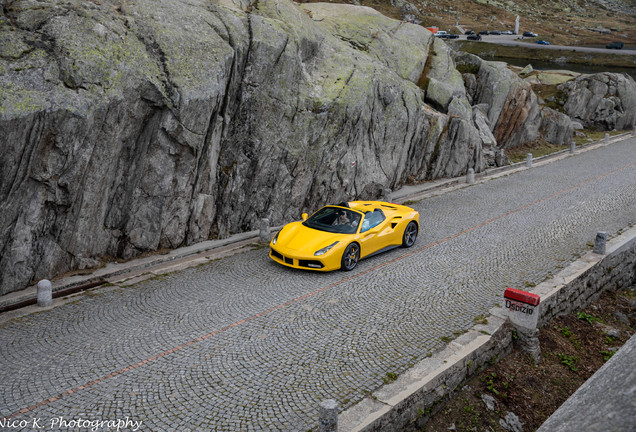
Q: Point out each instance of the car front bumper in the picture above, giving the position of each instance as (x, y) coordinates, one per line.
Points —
(327, 262)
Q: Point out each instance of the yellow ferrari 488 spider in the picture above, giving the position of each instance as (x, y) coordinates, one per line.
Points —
(338, 236)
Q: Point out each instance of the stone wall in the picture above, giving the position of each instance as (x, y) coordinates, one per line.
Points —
(584, 281)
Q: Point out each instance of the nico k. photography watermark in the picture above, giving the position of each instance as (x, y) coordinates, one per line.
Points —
(77, 424)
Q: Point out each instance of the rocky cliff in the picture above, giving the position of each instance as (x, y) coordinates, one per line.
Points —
(602, 101)
(129, 127)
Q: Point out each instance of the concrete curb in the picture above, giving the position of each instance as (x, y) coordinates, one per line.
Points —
(114, 272)
(407, 403)
(195, 254)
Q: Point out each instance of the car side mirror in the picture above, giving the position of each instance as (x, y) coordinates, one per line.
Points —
(305, 216)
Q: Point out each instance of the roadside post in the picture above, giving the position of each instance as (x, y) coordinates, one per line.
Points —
(45, 293)
(529, 160)
(470, 177)
(328, 416)
(522, 308)
(264, 233)
(600, 243)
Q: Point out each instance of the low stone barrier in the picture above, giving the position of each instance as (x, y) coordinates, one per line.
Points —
(582, 282)
(408, 403)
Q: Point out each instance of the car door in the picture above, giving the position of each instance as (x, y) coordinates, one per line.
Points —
(372, 232)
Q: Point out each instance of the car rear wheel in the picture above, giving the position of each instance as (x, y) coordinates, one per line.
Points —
(410, 234)
(350, 257)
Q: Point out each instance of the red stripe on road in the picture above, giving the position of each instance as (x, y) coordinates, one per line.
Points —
(303, 297)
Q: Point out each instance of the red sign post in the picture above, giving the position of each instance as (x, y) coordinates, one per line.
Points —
(522, 308)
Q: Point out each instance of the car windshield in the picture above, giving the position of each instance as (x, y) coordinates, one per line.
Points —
(334, 220)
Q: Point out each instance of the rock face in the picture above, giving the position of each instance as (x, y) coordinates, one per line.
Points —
(510, 104)
(131, 127)
(603, 101)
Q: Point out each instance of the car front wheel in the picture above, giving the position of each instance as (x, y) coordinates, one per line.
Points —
(410, 234)
(350, 257)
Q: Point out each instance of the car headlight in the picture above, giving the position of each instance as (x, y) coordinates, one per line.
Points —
(275, 239)
(325, 249)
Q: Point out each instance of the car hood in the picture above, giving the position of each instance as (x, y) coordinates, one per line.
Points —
(297, 237)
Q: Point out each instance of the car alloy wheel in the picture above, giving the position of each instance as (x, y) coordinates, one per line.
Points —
(350, 257)
(410, 234)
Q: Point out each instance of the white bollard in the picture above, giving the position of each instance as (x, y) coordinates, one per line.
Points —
(470, 177)
(45, 293)
(264, 231)
(529, 160)
(572, 147)
(328, 416)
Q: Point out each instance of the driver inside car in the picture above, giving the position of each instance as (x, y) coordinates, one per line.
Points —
(342, 219)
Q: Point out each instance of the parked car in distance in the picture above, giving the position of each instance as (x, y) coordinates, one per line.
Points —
(529, 34)
(495, 32)
(474, 37)
(614, 45)
(542, 42)
(483, 32)
(469, 32)
(445, 35)
(508, 32)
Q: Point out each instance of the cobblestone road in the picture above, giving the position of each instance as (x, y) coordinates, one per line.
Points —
(243, 344)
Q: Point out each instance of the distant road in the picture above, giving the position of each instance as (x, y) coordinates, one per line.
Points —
(531, 42)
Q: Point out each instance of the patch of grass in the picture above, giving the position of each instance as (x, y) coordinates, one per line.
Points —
(607, 354)
(389, 377)
(569, 361)
(480, 319)
(566, 332)
(473, 420)
(593, 136)
(490, 384)
(587, 317)
(519, 154)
